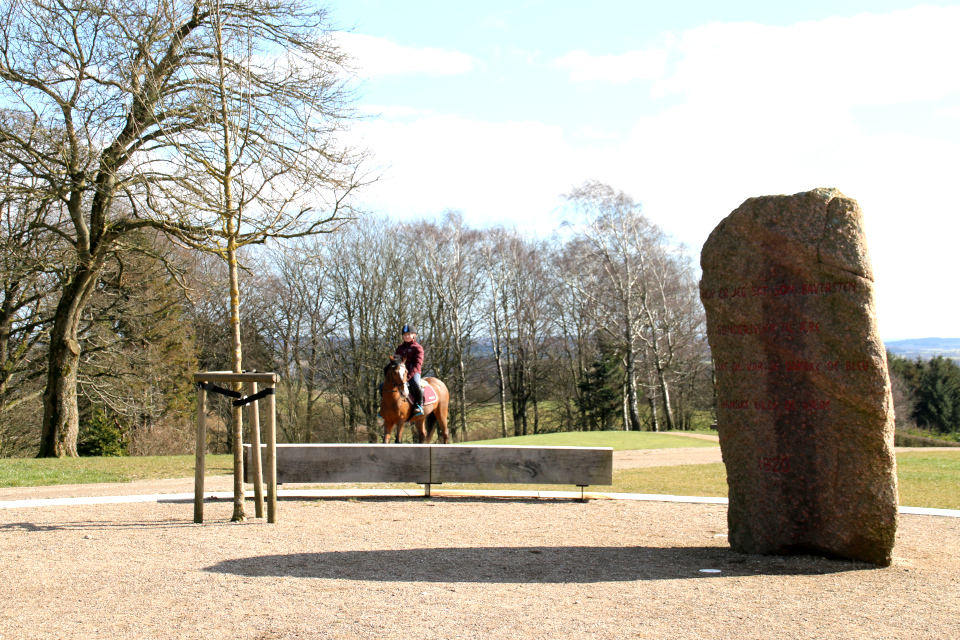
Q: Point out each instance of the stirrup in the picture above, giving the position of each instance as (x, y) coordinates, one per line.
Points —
(418, 410)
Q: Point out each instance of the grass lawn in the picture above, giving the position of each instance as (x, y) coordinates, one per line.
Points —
(926, 478)
(929, 479)
(33, 472)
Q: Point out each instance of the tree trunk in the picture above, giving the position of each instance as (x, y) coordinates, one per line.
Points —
(632, 401)
(536, 411)
(239, 494)
(655, 421)
(667, 408)
(498, 354)
(626, 409)
(463, 399)
(61, 420)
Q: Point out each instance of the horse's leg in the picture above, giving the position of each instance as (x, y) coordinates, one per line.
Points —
(387, 430)
(421, 432)
(400, 432)
(441, 413)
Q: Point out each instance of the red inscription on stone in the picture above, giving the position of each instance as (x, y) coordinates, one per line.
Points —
(775, 464)
(780, 290)
(747, 329)
(802, 365)
(776, 405)
(827, 287)
(794, 366)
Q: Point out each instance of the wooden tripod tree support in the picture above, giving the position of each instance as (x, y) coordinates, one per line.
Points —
(250, 380)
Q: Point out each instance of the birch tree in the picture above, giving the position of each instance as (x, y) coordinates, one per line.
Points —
(637, 264)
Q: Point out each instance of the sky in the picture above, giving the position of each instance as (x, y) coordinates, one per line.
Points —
(497, 109)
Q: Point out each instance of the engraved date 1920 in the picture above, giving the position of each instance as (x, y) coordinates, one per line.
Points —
(776, 464)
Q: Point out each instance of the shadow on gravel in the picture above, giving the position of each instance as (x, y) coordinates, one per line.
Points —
(531, 565)
(31, 527)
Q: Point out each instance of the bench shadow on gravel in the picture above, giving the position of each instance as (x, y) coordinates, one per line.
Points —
(545, 565)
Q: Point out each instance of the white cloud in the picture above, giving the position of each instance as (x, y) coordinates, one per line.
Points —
(950, 112)
(764, 110)
(633, 65)
(769, 110)
(592, 133)
(378, 56)
(395, 112)
(907, 55)
(507, 172)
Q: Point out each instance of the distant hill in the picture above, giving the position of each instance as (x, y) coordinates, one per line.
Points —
(925, 347)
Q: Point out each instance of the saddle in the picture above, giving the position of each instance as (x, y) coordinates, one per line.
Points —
(429, 394)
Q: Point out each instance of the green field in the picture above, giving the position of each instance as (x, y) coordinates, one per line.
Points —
(33, 472)
(929, 479)
(926, 478)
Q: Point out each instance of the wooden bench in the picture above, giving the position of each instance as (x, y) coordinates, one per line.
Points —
(439, 464)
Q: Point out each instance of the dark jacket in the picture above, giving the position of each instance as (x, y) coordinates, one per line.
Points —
(412, 356)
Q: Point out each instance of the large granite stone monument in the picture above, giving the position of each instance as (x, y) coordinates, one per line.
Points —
(804, 408)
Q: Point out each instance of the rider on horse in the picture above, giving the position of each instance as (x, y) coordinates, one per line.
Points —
(412, 354)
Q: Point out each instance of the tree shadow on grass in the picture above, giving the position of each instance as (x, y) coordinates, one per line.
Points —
(546, 565)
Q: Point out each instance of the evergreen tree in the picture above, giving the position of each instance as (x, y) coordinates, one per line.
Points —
(938, 395)
(602, 384)
(99, 436)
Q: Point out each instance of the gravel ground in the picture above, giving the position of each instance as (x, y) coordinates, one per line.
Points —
(452, 568)
(448, 568)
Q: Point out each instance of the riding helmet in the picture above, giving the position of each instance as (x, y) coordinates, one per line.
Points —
(408, 328)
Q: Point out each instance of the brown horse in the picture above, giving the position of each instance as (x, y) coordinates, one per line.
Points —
(396, 406)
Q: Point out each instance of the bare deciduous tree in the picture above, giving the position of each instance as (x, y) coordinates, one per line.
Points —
(449, 264)
(123, 88)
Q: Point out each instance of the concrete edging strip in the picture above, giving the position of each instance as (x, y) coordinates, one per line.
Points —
(375, 493)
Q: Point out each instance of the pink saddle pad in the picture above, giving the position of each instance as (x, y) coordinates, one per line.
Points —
(429, 395)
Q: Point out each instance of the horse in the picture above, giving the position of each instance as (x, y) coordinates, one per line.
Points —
(396, 406)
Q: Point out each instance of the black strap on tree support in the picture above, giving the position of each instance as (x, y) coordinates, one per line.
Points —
(241, 399)
(209, 386)
(260, 395)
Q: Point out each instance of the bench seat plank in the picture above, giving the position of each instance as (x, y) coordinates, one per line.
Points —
(521, 465)
(325, 463)
(440, 464)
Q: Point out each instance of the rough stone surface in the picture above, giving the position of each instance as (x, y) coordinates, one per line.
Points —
(804, 409)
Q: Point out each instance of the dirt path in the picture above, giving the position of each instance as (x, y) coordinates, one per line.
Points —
(697, 436)
(665, 457)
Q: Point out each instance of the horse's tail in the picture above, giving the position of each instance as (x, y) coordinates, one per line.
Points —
(431, 427)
